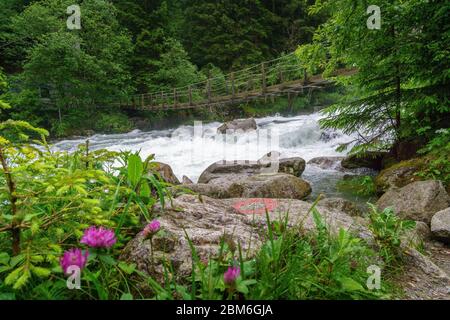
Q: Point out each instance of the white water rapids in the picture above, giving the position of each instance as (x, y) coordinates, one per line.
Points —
(190, 151)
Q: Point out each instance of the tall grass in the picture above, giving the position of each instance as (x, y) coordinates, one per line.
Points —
(291, 265)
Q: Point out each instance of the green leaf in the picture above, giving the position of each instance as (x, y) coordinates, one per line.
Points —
(135, 170)
(127, 268)
(23, 279)
(350, 285)
(241, 287)
(16, 260)
(4, 258)
(12, 277)
(41, 272)
(250, 282)
(126, 296)
(145, 190)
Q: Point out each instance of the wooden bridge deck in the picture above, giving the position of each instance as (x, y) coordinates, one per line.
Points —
(235, 88)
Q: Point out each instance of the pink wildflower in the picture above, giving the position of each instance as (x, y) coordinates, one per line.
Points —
(231, 275)
(152, 228)
(73, 257)
(98, 238)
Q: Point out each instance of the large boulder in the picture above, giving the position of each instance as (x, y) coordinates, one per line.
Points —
(209, 221)
(278, 185)
(241, 124)
(294, 166)
(398, 175)
(440, 225)
(165, 172)
(342, 205)
(417, 201)
(327, 163)
(370, 159)
(227, 168)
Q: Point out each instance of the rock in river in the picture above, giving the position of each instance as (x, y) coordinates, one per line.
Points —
(294, 166)
(327, 163)
(280, 185)
(241, 124)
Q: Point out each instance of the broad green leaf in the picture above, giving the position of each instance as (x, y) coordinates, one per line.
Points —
(135, 170)
(350, 285)
(145, 190)
(4, 258)
(126, 296)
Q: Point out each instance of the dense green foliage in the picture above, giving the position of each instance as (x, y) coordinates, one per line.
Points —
(438, 157)
(125, 47)
(401, 87)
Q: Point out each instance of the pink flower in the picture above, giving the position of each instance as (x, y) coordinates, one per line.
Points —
(231, 275)
(98, 238)
(73, 257)
(152, 228)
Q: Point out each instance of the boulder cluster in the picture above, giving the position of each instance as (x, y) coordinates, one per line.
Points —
(231, 199)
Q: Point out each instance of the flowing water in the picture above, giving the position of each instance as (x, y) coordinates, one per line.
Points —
(191, 149)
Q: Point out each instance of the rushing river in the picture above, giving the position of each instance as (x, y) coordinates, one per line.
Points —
(191, 149)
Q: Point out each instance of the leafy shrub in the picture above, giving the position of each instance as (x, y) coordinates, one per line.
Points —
(51, 198)
(438, 152)
(388, 230)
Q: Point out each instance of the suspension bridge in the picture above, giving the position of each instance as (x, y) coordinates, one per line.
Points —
(281, 76)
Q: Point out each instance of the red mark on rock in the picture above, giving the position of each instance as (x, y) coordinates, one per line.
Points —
(256, 206)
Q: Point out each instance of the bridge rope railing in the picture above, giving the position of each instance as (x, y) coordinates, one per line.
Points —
(256, 79)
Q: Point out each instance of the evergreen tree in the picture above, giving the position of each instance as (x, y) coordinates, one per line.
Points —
(174, 69)
(12, 48)
(401, 84)
(229, 34)
(151, 24)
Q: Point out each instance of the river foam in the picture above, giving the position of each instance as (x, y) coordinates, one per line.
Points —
(189, 152)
